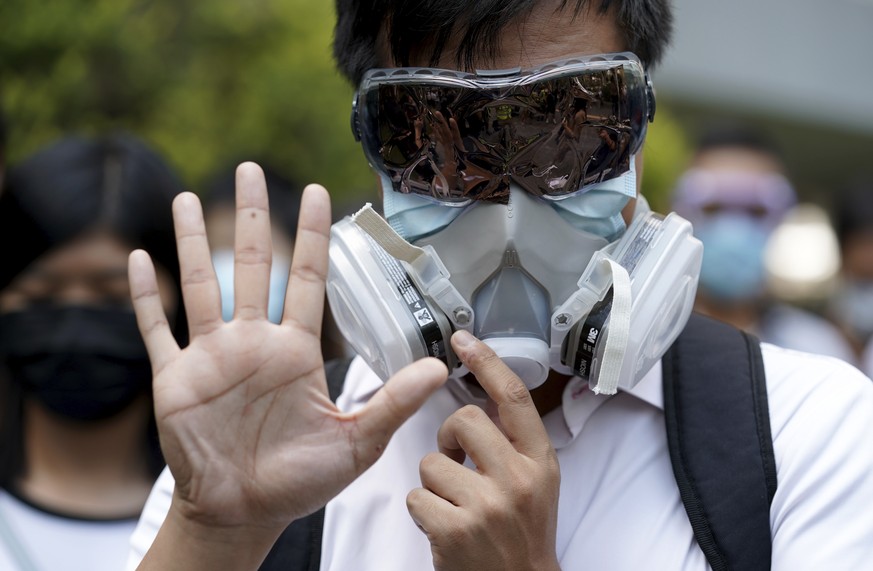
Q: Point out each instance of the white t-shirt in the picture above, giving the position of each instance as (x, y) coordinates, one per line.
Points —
(619, 505)
(54, 542)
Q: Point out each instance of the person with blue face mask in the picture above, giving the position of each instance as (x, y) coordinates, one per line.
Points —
(735, 193)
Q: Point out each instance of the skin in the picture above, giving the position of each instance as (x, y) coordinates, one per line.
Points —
(503, 514)
(220, 222)
(95, 469)
(245, 405)
(256, 389)
(857, 255)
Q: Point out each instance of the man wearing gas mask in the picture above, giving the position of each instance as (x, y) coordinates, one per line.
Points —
(551, 259)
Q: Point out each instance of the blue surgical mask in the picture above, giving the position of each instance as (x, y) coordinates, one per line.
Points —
(596, 211)
(222, 260)
(733, 257)
(415, 217)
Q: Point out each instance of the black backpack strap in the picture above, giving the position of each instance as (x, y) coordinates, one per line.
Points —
(718, 431)
(335, 370)
(299, 546)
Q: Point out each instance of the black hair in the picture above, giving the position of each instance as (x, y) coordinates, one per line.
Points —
(79, 184)
(412, 27)
(282, 192)
(75, 185)
(853, 209)
(736, 135)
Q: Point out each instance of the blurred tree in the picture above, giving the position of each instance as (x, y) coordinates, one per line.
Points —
(667, 153)
(205, 82)
(208, 83)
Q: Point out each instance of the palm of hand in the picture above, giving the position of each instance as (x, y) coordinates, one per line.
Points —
(245, 422)
(263, 384)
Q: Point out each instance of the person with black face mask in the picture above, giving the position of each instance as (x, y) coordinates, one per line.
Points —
(79, 450)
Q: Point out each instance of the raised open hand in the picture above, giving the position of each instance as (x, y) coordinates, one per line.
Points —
(246, 425)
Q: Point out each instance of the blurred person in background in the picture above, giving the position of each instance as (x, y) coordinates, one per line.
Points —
(219, 212)
(78, 442)
(852, 304)
(735, 193)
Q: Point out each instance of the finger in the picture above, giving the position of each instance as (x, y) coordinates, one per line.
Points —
(442, 126)
(396, 401)
(150, 316)
(199, 286)
(469, 432)
(304, 298)
(456, 133)
(448, 479)
(431, 513)
(253, 244)
(518, 415)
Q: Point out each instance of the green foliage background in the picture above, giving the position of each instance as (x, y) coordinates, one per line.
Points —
(208, 84)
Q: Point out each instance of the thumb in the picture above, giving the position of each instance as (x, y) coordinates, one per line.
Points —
(402, 395)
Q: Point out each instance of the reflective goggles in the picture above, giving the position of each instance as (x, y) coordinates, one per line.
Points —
(457, 137)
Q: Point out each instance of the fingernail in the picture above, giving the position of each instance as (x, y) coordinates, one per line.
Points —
(463, 338)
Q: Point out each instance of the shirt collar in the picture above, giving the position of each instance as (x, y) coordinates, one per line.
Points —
(650, 389)
(579, 404)
(563, 424)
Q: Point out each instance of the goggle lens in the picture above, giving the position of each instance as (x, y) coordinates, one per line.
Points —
(459, 137)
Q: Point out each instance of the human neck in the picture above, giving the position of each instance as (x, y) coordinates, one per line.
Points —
(93, 470)
(548, 396)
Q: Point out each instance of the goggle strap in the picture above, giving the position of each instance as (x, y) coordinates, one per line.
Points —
(354, 120)
(650, 99)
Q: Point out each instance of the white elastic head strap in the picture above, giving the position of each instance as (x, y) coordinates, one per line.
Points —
(429, 274)
(384, 235)
(619, 331)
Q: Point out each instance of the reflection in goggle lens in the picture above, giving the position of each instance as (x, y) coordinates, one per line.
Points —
(553, 131)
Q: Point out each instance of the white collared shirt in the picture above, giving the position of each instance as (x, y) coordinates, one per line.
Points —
(619, 504)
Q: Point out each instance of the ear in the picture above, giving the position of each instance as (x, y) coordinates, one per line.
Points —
(628, 211)
(638, 165)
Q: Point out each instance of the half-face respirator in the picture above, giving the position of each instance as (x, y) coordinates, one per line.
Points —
(511, 265)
